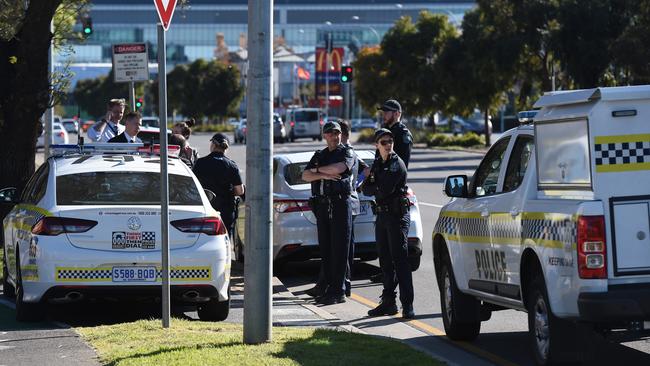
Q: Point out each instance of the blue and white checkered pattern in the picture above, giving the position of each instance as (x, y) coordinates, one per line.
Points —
(622, 153)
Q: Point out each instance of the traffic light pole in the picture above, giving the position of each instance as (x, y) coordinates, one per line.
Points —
(132, 96)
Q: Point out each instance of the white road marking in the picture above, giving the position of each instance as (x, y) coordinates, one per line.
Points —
(429, 204)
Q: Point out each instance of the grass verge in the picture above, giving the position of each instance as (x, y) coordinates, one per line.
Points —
(144, 342)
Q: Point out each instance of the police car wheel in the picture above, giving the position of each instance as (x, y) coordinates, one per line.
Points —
(215, 310)
(25, 312)
(414, 263)
(552, 339)
(459, 324)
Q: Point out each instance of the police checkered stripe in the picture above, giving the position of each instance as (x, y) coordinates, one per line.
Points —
(554, 230)
(446, 225)
(504, 227)
(83, 274)
(622, 153)
(182, 273)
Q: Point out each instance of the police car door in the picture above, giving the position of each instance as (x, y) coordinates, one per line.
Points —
(506, 219)
(474, 215)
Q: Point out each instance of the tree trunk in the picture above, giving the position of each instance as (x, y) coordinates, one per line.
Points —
(25, 92)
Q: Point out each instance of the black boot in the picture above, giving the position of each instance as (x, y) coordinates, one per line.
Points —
(384, 308)
(407, 311)
(315, 291)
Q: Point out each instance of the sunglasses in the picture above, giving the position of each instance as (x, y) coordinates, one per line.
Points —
(386, 142)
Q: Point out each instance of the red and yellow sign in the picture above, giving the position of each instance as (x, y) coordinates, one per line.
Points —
(335, 59)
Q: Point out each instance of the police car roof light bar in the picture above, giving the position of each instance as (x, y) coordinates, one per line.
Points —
(526, 117)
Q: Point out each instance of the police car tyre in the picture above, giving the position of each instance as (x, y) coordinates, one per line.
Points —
(215, 310)
(455, 320)
(551, 337)
(25, 312)
(414, 262)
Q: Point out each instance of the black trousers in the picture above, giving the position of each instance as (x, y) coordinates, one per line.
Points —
(334, 224)
(391, 233)
(348, 271)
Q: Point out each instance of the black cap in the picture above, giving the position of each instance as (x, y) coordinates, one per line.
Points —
(391, 105)
(382, 132)
(331, 126)
(220, 138)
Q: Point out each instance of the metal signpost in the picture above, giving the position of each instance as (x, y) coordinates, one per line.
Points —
(165, 13)
(130, 64)
(257, 267)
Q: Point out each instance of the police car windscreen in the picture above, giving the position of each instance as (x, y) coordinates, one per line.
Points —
(123, 188)
(293, 173)
(306, 116)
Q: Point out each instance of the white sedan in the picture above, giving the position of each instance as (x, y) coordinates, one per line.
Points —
(294, 224)
(87, 225)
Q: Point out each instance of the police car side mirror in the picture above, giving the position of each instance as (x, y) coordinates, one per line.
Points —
(9, 196)
(210, 194)
(456, 186)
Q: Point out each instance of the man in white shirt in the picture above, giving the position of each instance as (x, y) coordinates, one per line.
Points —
(110, 126)
(133, 122)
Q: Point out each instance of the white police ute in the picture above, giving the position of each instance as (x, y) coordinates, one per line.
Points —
(554, 222)
(88, 225)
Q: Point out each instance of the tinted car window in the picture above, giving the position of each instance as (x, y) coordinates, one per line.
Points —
(487, 174)
(518, 163)
(293, 173)
(37, 185)
(306, 116)
(123, 188)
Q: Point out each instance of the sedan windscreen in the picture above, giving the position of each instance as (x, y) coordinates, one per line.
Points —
(306, 116)
(123, 188)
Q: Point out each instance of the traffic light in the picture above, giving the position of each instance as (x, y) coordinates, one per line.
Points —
(87, 26)
(346, 74)
(139, 103)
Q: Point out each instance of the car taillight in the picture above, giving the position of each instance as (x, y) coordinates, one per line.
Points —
(205, 225)
(292, 123)
(592, 249)
(321, 122)
(284, 206)
(52, 225)
(244, 130)
(60, 134)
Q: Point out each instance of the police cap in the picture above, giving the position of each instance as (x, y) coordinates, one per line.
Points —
(382, 132)
(391, 105)
(331, 126)
(220, 138)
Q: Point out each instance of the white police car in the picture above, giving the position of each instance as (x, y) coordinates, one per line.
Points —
(87, 225)
(555, 222)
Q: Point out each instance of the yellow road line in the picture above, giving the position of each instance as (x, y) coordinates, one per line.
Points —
(438, 332)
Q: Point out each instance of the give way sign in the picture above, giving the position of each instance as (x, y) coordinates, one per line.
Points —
(165, 10)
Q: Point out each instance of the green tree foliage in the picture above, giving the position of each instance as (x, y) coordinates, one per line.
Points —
(404, 66)
(203, 88)
(25, 38)
(92, 95)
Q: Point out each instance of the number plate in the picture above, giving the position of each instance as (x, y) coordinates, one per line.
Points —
(134, 273)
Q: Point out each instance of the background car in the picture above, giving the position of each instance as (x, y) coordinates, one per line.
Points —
(70, 125)
(279, 132)
(151, 122)
(150, 135)
(304, 122)
(59, 136)
(86, 124)
(361, 123)
(88, 226)
(240, 132)
(460, 125)
(294, 224)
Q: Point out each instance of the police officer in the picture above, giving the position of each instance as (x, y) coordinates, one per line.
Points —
(359, 169)
(329, 172)
(220, 175)
(387, 182)
(392, 111)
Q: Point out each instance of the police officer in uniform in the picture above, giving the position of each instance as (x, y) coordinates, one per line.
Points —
(392, 111)
(329, 171)
(387, 182)
(220, 175)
